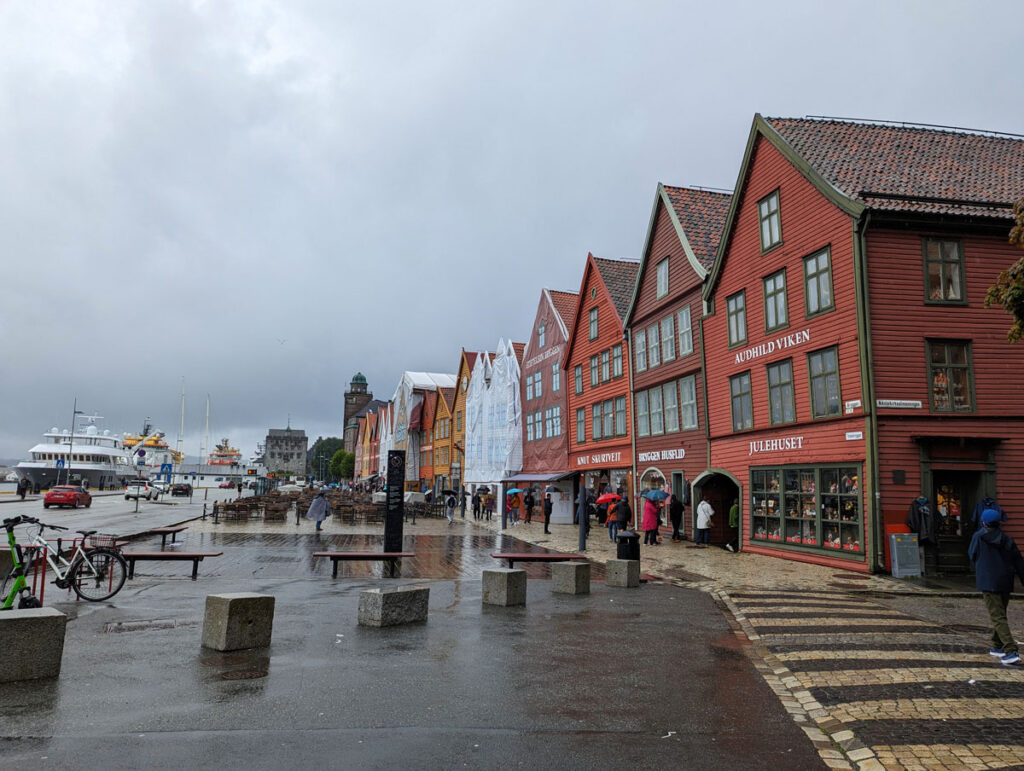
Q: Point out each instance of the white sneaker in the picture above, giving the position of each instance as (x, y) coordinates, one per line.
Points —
(729, 547)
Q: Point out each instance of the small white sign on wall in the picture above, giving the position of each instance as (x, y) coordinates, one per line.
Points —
(854, 435)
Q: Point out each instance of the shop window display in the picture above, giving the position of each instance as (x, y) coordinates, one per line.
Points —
(809, 506)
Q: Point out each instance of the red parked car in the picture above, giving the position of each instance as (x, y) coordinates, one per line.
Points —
(67, 495)
(226, 485)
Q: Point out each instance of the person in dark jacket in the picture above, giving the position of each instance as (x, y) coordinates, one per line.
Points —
(675, 515)
(547, 512)
(996, 560)
(986, 503)
(623, 514)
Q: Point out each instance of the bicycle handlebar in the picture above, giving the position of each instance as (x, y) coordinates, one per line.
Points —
(10, 524)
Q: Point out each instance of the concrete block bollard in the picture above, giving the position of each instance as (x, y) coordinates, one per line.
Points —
(504, 586)
(625, 573)
(238, 621)
(570, 577)
(32, 643)
(393, 606)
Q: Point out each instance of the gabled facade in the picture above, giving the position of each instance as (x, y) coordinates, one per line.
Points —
(494, 419)
(442, 441)
(408, 407)
(544, 398)
(848, 328)
(596, 376)
(467, 360)
(666, 346)
(426, 441)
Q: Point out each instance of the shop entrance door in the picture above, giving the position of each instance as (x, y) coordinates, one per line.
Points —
(954, 496)
(721, 492)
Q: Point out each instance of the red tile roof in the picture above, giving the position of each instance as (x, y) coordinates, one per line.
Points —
(619, 276)
(470, 358)
(519, 348)
(565, 304)
(701, 213)
(449, 396)
(911, 169)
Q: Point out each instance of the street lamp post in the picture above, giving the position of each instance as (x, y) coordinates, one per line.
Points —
(71, 441)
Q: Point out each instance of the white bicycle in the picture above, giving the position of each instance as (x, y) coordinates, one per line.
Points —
(96, 570)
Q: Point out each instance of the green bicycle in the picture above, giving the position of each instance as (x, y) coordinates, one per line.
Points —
(96, 572)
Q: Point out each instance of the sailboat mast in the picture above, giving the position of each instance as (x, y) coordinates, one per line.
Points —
(181, 428)
(207, 424)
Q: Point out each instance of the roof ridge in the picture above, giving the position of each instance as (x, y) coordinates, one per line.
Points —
(931, 128)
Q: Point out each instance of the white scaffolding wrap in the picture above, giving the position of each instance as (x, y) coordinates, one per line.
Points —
(494, 437)
(407, 405)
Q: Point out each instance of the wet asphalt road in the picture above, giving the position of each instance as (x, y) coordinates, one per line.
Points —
(647, 678)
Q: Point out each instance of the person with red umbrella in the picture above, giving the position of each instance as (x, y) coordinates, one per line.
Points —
(612, 501)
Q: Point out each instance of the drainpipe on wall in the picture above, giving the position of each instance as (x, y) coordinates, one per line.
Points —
(632, 427)
(876, 557)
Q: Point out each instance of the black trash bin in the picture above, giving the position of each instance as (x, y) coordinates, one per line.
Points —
(628, 545)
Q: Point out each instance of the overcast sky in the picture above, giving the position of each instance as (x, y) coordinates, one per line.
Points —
(265, 197)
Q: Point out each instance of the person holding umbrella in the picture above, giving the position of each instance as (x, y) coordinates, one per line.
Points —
(610, 500)
(449, 505)
(513, 501)
(650, 521)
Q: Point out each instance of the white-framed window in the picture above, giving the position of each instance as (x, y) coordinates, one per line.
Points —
(685, 331)
(593, 323)
(663, 278)
(653, 346)
(553, 419)
(529, 426)
(668, 338)
(643, 415)
(540, 335)
(606, 370)
(688, 401)
(640, 349)
(617, 360)
(556, 378)
(538, 384)
(657, 411)
(671, 402)
(594, 371)
(529, 387)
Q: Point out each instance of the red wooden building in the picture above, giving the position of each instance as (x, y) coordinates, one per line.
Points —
(664, 332)
(847, 338)
(543, 395)
(597, 379)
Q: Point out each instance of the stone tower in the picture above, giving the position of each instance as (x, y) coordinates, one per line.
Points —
(356, 397)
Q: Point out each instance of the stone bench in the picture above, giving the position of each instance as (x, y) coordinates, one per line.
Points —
(393, 606)
(504, 586)
(234, 622)
(623, 573)
(32, 643)
(570, 577)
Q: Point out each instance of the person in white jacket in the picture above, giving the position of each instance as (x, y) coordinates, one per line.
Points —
(704, 514)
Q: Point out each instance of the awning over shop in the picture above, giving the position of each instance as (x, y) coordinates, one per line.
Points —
(539, 477)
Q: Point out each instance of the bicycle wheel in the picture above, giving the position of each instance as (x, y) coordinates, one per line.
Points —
(99, 576)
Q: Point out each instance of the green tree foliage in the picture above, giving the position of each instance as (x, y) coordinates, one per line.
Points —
(1008, 291)
(324, 448)
(343, 465)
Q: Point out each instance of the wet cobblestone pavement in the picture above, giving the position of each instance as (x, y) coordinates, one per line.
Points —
(879, 673)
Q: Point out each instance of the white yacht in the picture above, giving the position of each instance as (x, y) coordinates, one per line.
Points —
(99, 459)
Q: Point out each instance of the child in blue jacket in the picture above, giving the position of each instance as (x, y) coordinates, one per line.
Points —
(996, 560)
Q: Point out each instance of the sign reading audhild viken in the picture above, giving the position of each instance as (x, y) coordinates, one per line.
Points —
(771, 346)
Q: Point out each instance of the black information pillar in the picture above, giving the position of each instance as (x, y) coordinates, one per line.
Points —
(395, 516)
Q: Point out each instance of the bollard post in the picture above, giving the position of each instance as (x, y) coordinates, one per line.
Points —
(204, 512)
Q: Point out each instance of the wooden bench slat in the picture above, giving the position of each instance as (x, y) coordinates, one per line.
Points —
(159, 556)
(527, 556)
(383, 556)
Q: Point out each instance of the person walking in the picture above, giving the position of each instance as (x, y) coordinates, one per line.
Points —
(704, 514)
(547, 512)
(623, 515)
(612, 520)
(22, 487)
(476, 505)
(449, 509)
(515, 501)
(319, 509)
(650, 522)
(733, 544)
(996, 560)
(675, 515)
(529, 502)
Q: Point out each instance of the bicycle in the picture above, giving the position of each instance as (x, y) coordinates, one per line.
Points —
(96, 572)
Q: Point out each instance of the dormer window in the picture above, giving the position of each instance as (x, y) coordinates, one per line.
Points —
(540, 336)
